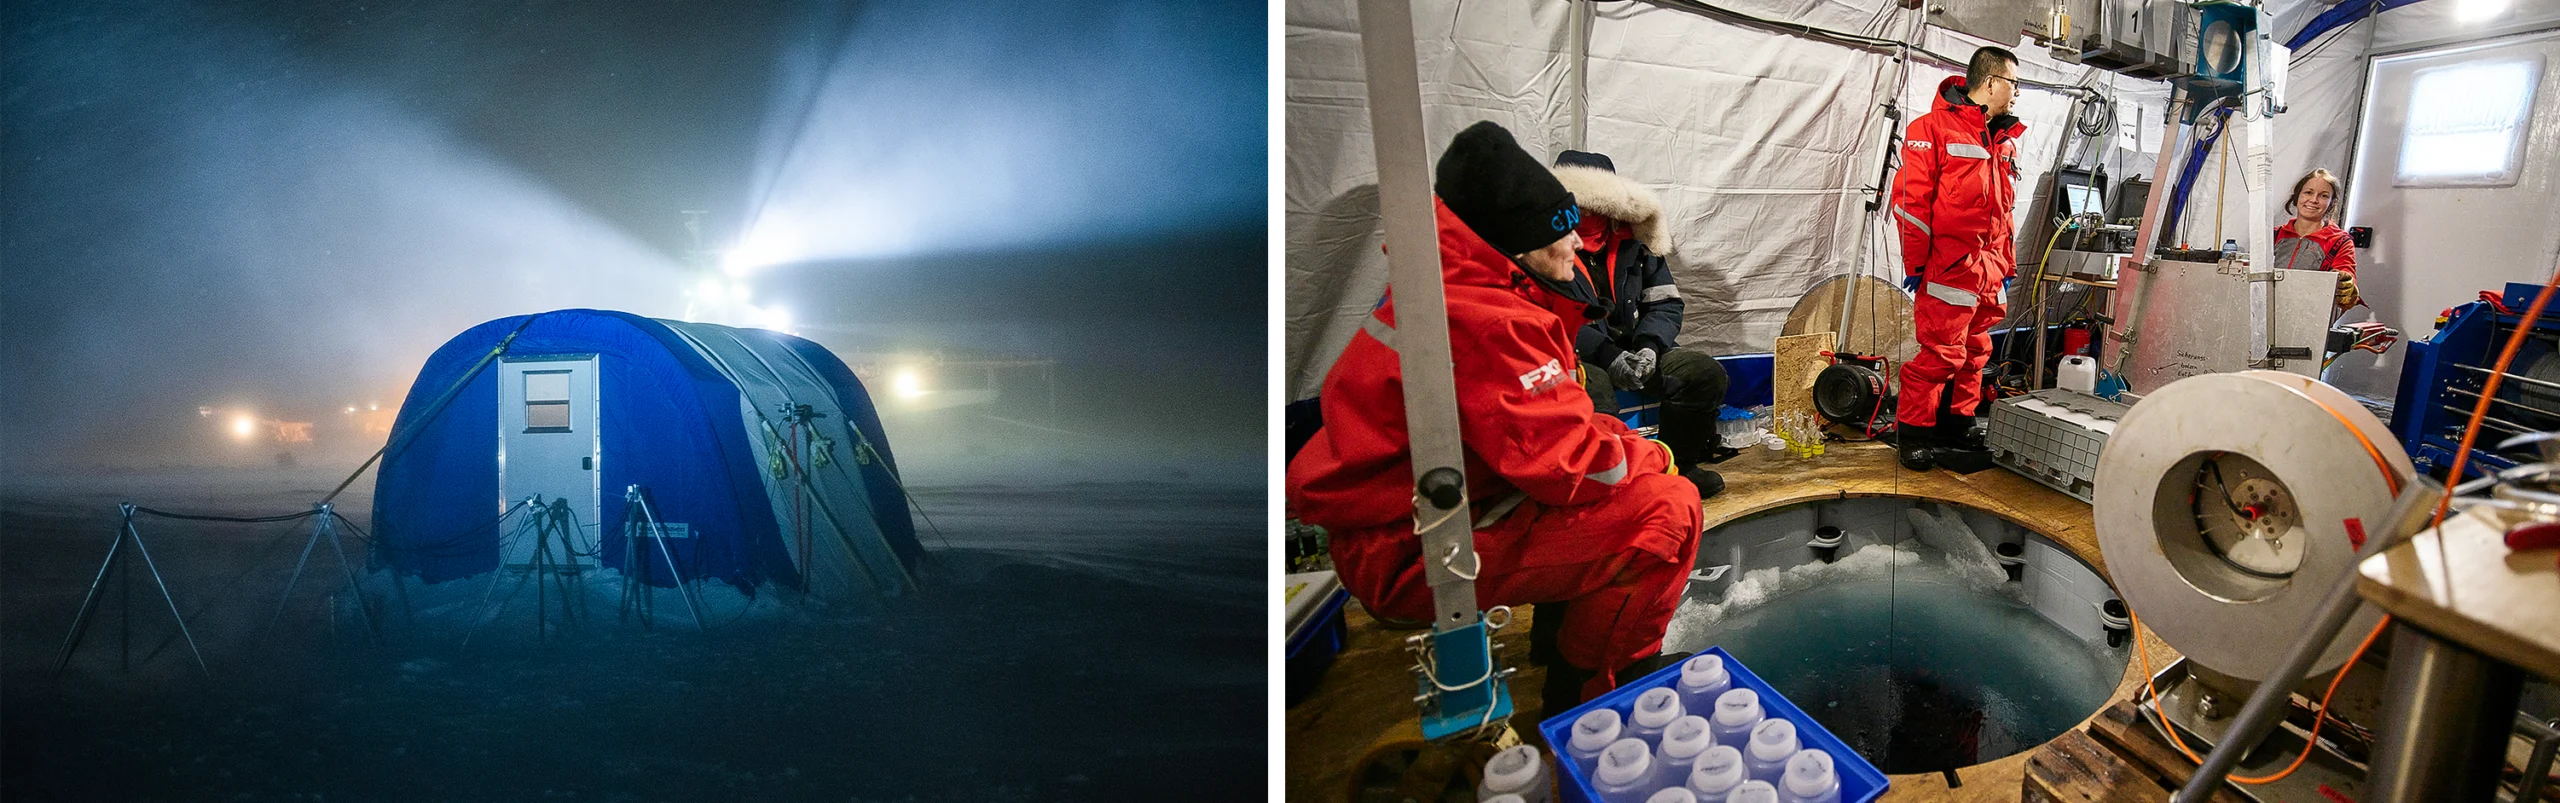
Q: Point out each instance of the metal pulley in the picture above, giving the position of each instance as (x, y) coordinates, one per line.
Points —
(2218, 490)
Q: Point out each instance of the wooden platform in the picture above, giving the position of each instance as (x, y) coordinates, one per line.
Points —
(1368, 695)
(2463, 584)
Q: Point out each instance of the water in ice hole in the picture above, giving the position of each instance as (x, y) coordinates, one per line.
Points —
(1920, 655)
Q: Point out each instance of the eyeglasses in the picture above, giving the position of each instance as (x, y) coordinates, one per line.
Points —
(2013, 82)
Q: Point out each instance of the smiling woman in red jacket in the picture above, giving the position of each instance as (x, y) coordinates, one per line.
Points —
(2311, 242)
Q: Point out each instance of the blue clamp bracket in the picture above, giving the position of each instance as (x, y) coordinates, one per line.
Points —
(1462, 692)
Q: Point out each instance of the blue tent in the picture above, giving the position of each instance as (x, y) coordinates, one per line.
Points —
(759, 451)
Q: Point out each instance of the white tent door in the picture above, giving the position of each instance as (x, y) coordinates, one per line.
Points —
(2457, 169)
(548, 444)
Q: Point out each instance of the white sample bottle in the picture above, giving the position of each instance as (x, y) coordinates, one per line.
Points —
(1737, 712)
(1753, 792)
(1772, 743)
(1701, 679)
(1655, 709)
(1592, 733)
(1682, 743)
(1520, 771)
(1673, 794)
(1716, 774)
(1810, 778)
(1625, 772)
(1503, 799)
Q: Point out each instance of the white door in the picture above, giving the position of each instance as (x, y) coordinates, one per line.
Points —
(548, 445)
(2457, 170)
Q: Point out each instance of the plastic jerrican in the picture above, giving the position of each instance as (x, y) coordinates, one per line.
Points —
(1625, 772)
(2078, 372)
(1701, 679)
(1682, 743)
(1655, 709)
(1773, 741)
(1737, 712)
(1520, 771)
(1717, 773)
(1753, 792)
(1810, 778)
(1592, 733)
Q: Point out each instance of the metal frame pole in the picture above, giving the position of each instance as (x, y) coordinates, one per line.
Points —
(2442, 735)
(1458, 660)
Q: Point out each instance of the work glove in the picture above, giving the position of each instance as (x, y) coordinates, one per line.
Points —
(2346, 290)
(1911, 284)
(1631, 368)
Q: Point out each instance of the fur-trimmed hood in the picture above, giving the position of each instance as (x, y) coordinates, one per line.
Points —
(1617, 198)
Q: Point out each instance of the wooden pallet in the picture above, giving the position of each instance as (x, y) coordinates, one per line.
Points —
(2116, 758)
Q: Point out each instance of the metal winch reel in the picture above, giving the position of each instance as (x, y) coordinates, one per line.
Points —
(2217, 490)
(2215, 494)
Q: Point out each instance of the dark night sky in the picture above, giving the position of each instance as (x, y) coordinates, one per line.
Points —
(288, 205)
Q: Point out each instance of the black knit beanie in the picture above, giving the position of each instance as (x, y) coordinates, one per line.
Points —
(1502, 192)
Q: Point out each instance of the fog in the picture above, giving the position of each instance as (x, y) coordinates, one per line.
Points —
(232, 233)
(277, 212)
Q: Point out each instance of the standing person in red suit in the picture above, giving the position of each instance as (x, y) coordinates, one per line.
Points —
(2311, 241)
(1572, 511)
(1951, 202)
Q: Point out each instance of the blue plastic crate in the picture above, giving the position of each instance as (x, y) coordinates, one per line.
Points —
(1860, 782)
(1311, 648)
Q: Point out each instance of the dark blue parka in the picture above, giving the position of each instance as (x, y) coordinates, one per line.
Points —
(1622, 238)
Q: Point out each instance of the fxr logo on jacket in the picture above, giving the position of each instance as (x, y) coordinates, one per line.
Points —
(1543, 378)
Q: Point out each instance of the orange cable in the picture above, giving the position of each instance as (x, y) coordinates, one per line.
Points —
(2316, 719)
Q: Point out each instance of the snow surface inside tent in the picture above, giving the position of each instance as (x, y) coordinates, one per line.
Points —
(1761, 143)
(683, 410)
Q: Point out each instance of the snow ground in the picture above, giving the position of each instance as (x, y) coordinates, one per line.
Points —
(1077, 641)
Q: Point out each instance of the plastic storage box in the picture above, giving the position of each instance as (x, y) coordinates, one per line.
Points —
(1316, 630)
(1860, 782)
(2053, 436)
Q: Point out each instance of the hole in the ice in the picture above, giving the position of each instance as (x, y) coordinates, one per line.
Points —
(1911, 642)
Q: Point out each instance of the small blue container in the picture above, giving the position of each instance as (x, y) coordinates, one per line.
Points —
(1860, 782)
(1317, 631)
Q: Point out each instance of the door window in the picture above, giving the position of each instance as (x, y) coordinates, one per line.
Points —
(546, 401)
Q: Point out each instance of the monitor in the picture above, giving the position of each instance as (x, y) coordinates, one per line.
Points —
(2130, 200)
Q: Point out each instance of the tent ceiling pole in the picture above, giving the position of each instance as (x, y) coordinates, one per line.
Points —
(1578, 30)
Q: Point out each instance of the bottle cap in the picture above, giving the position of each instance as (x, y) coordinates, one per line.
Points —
(1773, 740)
(1753, 792)
(1737, 706)
(1512, 770)
(1686, 737)
(1657, 707)
(1626, 761)
(1718, 770)
(1595, 730)
(1702, 671)
(1673, 795)
(1810, 773)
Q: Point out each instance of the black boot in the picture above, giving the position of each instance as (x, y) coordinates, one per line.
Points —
(1960, 431)
(1917, 446)
(1545, 620)
(1709, 482)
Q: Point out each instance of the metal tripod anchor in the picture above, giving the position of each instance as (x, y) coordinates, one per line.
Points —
(80, 623)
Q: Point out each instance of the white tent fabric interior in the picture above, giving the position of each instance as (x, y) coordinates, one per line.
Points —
(1763, 143)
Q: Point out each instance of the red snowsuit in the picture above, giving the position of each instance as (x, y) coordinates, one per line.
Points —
(1952, 202)
(2327, 249)
(1602, 524)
